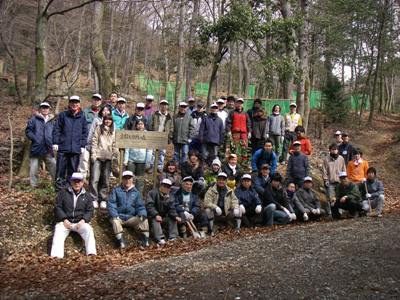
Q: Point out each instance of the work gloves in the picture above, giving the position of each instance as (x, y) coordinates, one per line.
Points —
(305, 217)
(242, 209)
(55, 148)
(258, 209)
(188, 216)
(218, 211)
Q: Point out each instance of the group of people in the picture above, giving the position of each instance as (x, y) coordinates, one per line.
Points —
(224, 169)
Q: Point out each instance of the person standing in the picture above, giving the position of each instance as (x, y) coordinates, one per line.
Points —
(92, 112)
(276, 128)
(192, 105)
(73, 212)
(162, 122)
(137, 116)
(183, 132)
(258, 130)
(292, 120)
(238, 124)
(257, 106)
(346, 149)
(69, 139)
(112, 99)
(40, 131)
(198, 116)
(357, 168)
(120, 115)
(222, 113)
(305, 143)
(297, 167)
(126, 209)
(149, 108)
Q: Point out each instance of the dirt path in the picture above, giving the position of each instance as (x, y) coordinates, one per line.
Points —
(346, 259)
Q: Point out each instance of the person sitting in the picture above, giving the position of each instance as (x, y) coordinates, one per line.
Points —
(305, 143)
(249, 202)
(373, 193)
(187, 206)
(194, 167)
(264, 156)
(290, 191)
(73, 212)
(171, 172)
(306, 202)
(232, 169)
(221, 204)
(275, 203)
(297, 167)
(161, 211)
(357, 168)
(126, 209)
(261, 181)
(347, 197)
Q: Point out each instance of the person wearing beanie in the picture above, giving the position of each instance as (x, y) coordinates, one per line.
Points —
(249, 201)
(357, 168)
(298, 166)
(187, 205)
(221, 204)
(332, 165)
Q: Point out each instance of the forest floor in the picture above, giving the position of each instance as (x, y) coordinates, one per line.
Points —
(351, 258)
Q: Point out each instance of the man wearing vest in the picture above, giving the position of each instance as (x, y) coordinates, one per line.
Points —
(238, 121)
(292, 120)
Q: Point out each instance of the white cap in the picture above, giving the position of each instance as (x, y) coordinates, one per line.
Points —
(342, 174)
(293, 104)
(216, 162)
(188, 178)
(222, 174)
(166, 181)
(338, 132)
(246, 176)
(127, 173)
(149, 97)
(74, 98)
(239, 100)
(140, 105)
(183, 103)
(44, 104)
(77, 176)
(96, 96)
(220, 100)
(308, 178)
(120, 99)
(214, 105)
(163, 101)
(191, 99)
(232, 155)
(296, 143)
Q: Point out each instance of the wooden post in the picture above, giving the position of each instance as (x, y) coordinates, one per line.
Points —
(156, 155)
(121, 159)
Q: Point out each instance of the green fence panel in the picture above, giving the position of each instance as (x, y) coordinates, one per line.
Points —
(315, 99)
(154, 88)
(252, 91)
(267, 105)
(201, 89)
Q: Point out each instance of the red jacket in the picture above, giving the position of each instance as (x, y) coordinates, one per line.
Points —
(238, 122)
(305, 146)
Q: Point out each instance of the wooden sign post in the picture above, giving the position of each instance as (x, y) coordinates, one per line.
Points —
(125, 139)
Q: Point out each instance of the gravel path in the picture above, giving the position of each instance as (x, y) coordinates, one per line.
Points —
(348, 259)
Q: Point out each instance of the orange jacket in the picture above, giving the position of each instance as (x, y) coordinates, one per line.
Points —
(357, 173)
(305, 146)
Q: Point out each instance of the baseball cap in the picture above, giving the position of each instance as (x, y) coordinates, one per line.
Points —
(75, 98)
(149, 97)
(188, 178)
(221, 101)
(214, 105)
(308, 178)
(338, 132)
(246, 176)
(164, 102)
(77, 176)
(222, 174)
(98, 96)
(120, 99)
(140, 105)
(166, 181)
(239, 100)
(190, 99)
(183, 104)
(46, 104)
(296, 143)
(127, 173)
(293, 104)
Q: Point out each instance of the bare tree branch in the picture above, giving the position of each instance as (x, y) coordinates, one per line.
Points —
(44, 12)
(61, 12)
(56, 70)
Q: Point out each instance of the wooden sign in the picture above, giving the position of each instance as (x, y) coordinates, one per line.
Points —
(125, 139)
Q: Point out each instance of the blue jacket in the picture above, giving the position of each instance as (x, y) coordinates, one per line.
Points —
(70, 132)
(211, 130)
(41, 135)
(125, 204)
(119, 119)
(297, 167)
(247, 197)
(194, 203)
(260, 184)
(261, 157)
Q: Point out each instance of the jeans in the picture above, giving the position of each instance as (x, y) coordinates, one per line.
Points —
(139, 169)
(289, 138)
(50, 162)
(67, 163)
(100, 179)
(273, 216)
(161, 159)
(210, 152)
(61, 233)
(181, 153)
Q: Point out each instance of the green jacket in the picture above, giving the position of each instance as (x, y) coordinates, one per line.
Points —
(351, 191)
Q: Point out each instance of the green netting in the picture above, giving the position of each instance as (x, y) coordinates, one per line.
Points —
(356, 101)
(252, 91)
(154, 88)
(267, 104)
(201, 89)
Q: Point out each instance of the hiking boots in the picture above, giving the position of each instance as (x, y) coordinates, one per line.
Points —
(121, 243)
(144, 242)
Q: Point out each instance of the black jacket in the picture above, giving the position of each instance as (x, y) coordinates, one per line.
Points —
(277, 197)
(64, 208)
(157, 205)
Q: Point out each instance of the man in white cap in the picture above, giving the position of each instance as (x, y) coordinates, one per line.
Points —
(198, 115)
(120, 115)
(161, 211)
(162, 122)
(126, 209)
(149, 108)
(298, 166)
(238, 124)
(222, 113)
(221, 204)
(40, 131)
(92, 112)
(211, 134)
(191, 105)
(69, 140)
(338, 138)
(250, 203)
(73, 212)
(348, 197)
(306, 203)
(292, 120)
(137, 116)
(182, 134)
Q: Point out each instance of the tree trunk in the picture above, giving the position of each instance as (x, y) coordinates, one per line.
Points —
(40, 53)
(98, 58)
(181, 46)
(77, 63)
(240, 69)
(246, 71)
(230, 68)
(189, 63)
(111, 40)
